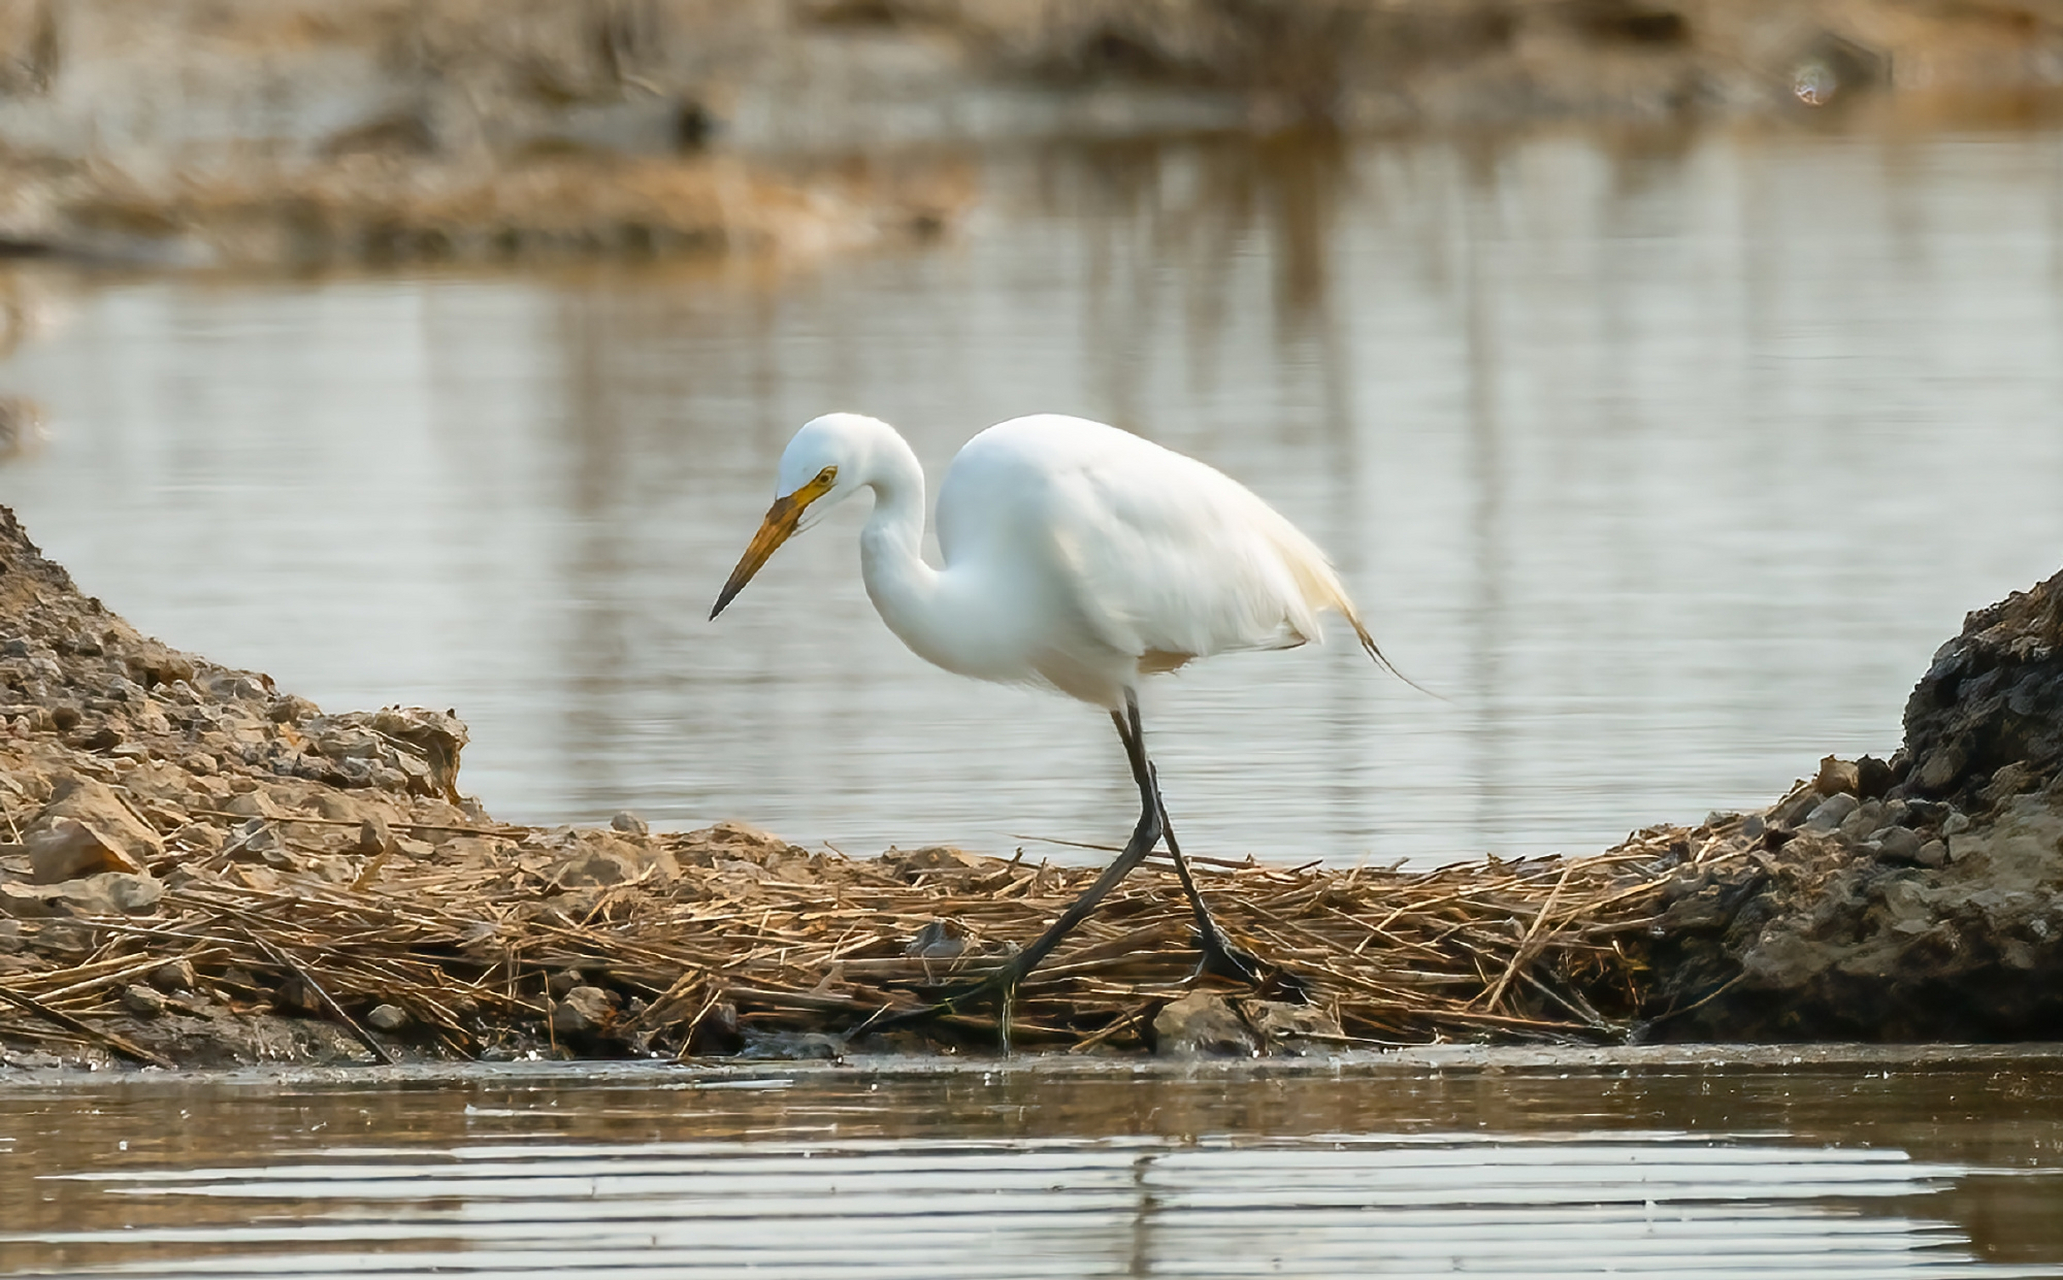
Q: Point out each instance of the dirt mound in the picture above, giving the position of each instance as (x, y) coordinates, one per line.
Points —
(1915, 899)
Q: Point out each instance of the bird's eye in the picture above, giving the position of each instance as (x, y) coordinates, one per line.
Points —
(827, 475)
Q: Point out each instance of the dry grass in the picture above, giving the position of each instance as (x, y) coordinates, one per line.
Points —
(727, 931)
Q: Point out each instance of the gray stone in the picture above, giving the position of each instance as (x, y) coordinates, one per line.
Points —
(387, 1017)
(1201, 1025)
(1934, 853)
(130, 894)
(174, 975)
(1899, 844)
(1831, 812)
(1955, 823)
(630, 822)
(143, 1001)
(585, 1011)
(1868, 817)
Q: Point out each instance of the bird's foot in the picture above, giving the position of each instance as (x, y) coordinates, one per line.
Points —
(1225, 958)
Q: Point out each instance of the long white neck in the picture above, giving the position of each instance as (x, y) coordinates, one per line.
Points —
(904, 589)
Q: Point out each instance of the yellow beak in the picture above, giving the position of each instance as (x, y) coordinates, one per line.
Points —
(777, 528)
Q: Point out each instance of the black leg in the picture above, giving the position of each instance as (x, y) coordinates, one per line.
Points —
(1004, 980)
(1220, 954)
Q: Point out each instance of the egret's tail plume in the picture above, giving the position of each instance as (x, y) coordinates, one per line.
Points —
(1368, 643)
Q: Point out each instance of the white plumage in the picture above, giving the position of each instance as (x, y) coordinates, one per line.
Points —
(1074, 555)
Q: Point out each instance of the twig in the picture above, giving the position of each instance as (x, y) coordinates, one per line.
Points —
(126, 1047)
(286, 962)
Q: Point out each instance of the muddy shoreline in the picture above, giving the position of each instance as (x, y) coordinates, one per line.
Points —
(297, 134)
(200, 869)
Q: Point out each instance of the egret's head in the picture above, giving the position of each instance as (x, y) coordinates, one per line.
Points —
(821, 467)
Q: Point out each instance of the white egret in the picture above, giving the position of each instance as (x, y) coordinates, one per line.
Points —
(1077, 557)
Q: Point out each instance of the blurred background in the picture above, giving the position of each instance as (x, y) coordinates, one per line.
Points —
(1667, 379)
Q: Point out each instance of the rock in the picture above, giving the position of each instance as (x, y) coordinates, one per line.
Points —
(200, 838)
(584, 1012)
(1830, 813)
(109, 893)
(631, 823)
(1992, 698)
(1899, 844)
(1865, 818)
(1201, 1025)
(1294, 1028)
(716, 1033)
(68, 848)
(374, 836)
(1955, 823)
(295, 996)
(1791, 810)
(389, 1018)
(129, 894)
(597, 867)
(174, 976)
(143, 1001)
(291, 709)
(1836, 777)
(113, 839)
(564, 981)
(1873, 777)
(1815, 944)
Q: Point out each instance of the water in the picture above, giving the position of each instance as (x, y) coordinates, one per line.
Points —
(1667, 460)
(1868, 1164)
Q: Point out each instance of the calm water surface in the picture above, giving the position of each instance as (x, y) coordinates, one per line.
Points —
(1876, 1168)
(1668, 463)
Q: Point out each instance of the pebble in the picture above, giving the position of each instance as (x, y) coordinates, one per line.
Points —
(1201, 1025)
(1831, 812)
(584, 1011)
(628, 821)
(387, 1017)
(1955, 823)
(1868, 817)
(564, 981)
(1934, 853)
(1898, 844)
(143, 1001)
(174, 975)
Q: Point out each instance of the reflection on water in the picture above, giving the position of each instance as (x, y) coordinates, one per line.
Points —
(1355, 1170)
(1668, 462)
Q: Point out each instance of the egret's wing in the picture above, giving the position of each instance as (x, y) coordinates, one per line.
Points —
(1171, 559)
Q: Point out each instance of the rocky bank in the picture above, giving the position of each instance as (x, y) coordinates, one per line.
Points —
(198, 868)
